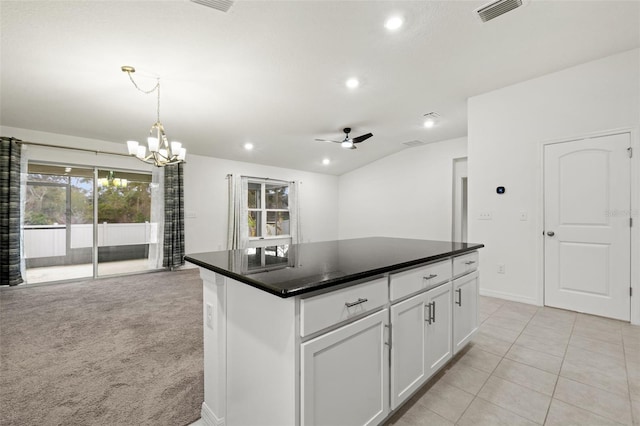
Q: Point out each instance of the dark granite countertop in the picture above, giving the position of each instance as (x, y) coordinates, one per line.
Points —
(291, 270)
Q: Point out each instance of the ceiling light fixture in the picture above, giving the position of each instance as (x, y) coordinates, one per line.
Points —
(393, 23)
(112, 180)
(352, 83)
(161, 153)
(326, 161)
(430, 119)
(248, 146)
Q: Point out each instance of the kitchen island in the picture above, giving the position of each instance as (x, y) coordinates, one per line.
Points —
(337, 332)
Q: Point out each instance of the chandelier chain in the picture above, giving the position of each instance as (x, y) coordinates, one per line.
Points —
(148, 92)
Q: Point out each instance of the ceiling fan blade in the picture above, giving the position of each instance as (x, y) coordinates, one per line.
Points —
(362, 138)
(327, 140)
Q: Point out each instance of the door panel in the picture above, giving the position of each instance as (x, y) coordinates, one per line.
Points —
(587, 187)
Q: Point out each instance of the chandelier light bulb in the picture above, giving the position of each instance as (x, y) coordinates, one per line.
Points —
(182, 154)
(142, 152)
(175, 148)
(153, 144)
(132, 146)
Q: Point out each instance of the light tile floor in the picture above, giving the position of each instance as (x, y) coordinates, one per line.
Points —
(530, 365)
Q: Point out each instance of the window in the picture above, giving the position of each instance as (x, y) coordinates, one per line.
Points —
(268, 209)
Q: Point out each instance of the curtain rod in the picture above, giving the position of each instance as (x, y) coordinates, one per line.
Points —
(260, 178)
(95, 151)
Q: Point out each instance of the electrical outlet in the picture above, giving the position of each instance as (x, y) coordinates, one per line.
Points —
(501, 269)
(485, 216)
(210, 315)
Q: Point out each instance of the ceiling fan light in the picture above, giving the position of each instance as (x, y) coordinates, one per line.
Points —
(132, 146)
(153, 144)
(348, 144)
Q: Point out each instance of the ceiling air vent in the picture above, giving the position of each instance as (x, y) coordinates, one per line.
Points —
(221, 5)
(497, 8)
(411, 144)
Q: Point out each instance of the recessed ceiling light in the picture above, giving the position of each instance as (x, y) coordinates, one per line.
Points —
(430, 119)
(352, 83)
(393, 23)
(248, 146)
(429, 123)
(326, 161)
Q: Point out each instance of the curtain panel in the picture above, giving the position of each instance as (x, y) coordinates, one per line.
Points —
(173, 256)
(10, 151)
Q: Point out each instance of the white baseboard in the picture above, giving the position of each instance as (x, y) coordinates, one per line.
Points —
(208, 418)
(509, 296)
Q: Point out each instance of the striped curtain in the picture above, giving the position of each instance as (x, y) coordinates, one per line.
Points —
(173, 216)
(10, 212)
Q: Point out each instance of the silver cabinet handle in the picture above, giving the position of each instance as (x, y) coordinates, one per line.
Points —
(551, 233)
(357, 302)
(433, 311)
(459, 302)
(428, 277)
(429, 316)
(471, 262)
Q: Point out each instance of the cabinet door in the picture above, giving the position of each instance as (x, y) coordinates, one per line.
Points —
(345, 374)
(407, 348)
(465, 310)
(439, 333)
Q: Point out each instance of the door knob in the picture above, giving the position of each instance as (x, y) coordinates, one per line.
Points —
(551, 233)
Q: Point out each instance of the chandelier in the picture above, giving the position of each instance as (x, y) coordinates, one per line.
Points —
(161, 152)
(112, 180)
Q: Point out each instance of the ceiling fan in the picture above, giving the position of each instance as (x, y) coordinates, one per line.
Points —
(347, 142)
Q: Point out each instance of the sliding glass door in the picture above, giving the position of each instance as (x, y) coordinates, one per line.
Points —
(58, 223)
(124, 224)
(87, 222)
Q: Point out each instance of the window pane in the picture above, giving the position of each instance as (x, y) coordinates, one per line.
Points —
(255, 224)
(45, 205)
(254, 195)
(277, 223)
(277, 196)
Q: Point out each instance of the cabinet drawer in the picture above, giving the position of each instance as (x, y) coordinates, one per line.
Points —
(465, 264)
(414, 280)
(325, 310)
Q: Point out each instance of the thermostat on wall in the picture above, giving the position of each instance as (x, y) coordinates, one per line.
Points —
(500, 190)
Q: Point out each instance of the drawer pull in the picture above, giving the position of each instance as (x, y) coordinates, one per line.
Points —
(428, 315)
(428, 277)
(357, 302)
(471, 262)
(459, 301)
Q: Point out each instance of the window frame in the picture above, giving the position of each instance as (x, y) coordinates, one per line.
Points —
(263, 210)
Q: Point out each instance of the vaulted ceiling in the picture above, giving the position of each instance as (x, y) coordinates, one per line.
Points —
(273, 72)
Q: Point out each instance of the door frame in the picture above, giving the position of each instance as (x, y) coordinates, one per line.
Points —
(635, 213)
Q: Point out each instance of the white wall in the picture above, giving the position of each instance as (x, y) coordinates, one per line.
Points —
(206, 194)
(407, 194)
(206, 197)
(506, 129)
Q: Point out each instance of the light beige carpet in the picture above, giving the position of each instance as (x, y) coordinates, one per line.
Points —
(119, 351)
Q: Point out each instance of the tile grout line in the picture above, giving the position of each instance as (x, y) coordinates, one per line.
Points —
(491, 374)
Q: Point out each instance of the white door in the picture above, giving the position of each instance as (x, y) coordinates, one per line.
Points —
(465, 310)
(345, 374)
(439, 334)
(407, 348)
(587, 189)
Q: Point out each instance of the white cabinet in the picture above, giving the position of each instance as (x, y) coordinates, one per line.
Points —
(465, 310)
(438, 327)
(408, 373)
(345, 373)
(421, 340)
